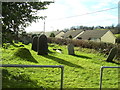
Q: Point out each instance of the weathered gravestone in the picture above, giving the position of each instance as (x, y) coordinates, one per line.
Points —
(112, 54)
(34, 43)
(71, 49)
(42, 45)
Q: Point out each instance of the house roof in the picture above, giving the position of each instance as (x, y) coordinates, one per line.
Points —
(49, 33)
(36, 32)
(93, 34)
(73, 33)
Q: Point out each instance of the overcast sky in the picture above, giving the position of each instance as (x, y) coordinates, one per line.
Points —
(66, 13)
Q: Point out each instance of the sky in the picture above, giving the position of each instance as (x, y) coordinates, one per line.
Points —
(64, 14)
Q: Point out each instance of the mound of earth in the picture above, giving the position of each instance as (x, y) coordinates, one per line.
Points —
(25, 54)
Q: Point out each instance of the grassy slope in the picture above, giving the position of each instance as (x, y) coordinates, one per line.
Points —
(81, 71)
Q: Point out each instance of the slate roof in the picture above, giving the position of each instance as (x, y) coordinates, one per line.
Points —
(73, 33)
(93, 34)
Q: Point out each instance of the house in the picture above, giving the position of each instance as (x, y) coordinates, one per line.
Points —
(73, 34)
(57, 34)
(98, 36)
(60, 34)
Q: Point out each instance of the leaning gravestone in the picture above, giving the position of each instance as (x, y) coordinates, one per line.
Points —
(42, 45)
(71, 49)
(34, 43)
(112, 54)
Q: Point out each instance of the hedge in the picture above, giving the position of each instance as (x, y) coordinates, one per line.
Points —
(102, 47)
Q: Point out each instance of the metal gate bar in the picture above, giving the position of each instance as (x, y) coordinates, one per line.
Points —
(101, 73)
(42, 66)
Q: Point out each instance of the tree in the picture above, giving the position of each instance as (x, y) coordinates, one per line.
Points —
(73, 28)
(52, 35)
(19, 15)
(70, 36)
(118, 39)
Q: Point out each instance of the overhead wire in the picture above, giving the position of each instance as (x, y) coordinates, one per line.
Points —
(88, 13)
(98, 11)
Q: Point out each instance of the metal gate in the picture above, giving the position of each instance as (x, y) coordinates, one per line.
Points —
(41, 66)
(101, 73)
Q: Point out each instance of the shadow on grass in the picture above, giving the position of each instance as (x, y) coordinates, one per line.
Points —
(61, 61)
(114, 62)
(51, 45)
(81, 56)
(50, 52)
(25, 54)
(17, 45)
(17, 81)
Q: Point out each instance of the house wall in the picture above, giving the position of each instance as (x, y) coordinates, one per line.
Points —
(59, 35)
(95, 39)
(108, 37)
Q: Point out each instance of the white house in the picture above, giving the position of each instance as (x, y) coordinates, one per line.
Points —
(98, 36)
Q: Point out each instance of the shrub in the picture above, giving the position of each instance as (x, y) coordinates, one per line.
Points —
(99, 46)
(118, 40)
(52, 35)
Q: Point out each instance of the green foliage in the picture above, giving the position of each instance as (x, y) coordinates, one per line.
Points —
(70, 36)
(99, 46)
(117, 35)
(18, 15)
(52, 35)
(112, 27)
(118, 40)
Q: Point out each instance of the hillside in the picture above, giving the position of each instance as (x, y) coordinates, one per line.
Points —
(80, 71)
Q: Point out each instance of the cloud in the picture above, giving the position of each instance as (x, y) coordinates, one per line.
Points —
(58, 13)
(105, 3)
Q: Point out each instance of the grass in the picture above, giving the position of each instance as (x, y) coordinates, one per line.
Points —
(82, 70)
(117, 35)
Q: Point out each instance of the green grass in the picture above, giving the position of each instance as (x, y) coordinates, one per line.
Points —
(117, 35)
(81, 70)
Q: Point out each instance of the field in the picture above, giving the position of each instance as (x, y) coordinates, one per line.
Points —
(80, 71)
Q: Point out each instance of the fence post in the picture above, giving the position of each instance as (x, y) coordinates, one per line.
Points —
(101, 74)
(62, 71)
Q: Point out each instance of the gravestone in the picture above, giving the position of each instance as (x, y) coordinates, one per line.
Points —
(71, 49)
(34, 43)
(42, 45)
(112, 54)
